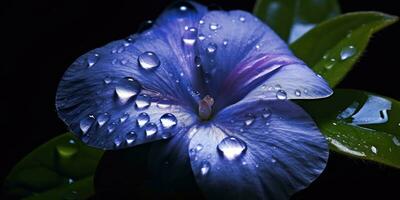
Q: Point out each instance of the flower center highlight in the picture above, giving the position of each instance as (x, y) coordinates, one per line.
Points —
(205, 107)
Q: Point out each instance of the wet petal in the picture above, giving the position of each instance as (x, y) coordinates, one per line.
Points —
(294, 81)
(240, 53)
(177, 26)
(231, 38)
(102, 94)
(259, 150)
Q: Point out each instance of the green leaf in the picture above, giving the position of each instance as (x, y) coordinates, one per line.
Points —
(63, 168)
(332, 47)
(292, 18)
(359, 124)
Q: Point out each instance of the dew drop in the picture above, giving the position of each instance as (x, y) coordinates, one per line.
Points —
(242, 19)
(281, 95)
(211, 48)
(231, 147)
(163, 104)
(205, 167)
(214, 26)
(92, 59)
(189, 36)
(201, 37)
(86, 123)
(168, 121)
(150, 129)
(266, 112)
(123, 118)
(131, 137)
(197, 61)
(102, 119)
(67, 148)
(148, 60)
(374, 149)
(297, 93)
(347, 52)
(70, 181)
(201, 21)
(142, 119)
(225, 43)
(249, 119)
(107, 80)
(142, 101)
(117, 142)
(111, 127)
(198, 147)
(127, 88)
(396, 141)
(166, 135)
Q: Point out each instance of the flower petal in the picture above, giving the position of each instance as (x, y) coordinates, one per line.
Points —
(294, 81)
(170, 167)
(229, 38)
(104, 91)
(177, 27)
(258, 150)
(239, 53)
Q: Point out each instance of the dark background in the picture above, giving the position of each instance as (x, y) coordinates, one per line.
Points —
(40, 39)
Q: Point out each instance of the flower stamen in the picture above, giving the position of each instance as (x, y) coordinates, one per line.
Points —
(205, 107)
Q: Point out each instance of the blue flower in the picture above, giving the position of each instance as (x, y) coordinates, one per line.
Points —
(216, 86)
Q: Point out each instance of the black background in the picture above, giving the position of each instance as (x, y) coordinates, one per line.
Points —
(40, 39)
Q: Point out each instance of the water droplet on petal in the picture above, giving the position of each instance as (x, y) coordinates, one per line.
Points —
(266, 112)
(142, 101)
(111, 127)
(117, 142)
(166, 135)
(92, 59)
(211, 48)
(205, 167)
(86, 123)
(189, 36)
(249, 119)
(297, 93)
(107, 80)
(168, 120)
(347, 52)
(242, 19)
(150, 129)
(201, 21)
(231, 147)
(163, 104)
(374, 149)
(127, 88)
(131, 137)
(197, 61)
(281, 95)
(102, 119)
(124, 118)
(148, 60)
(142, 119)
(198, 147)
(67, 149)
(201, 37)
(277, 87)
(214, 26)
(225, 43)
